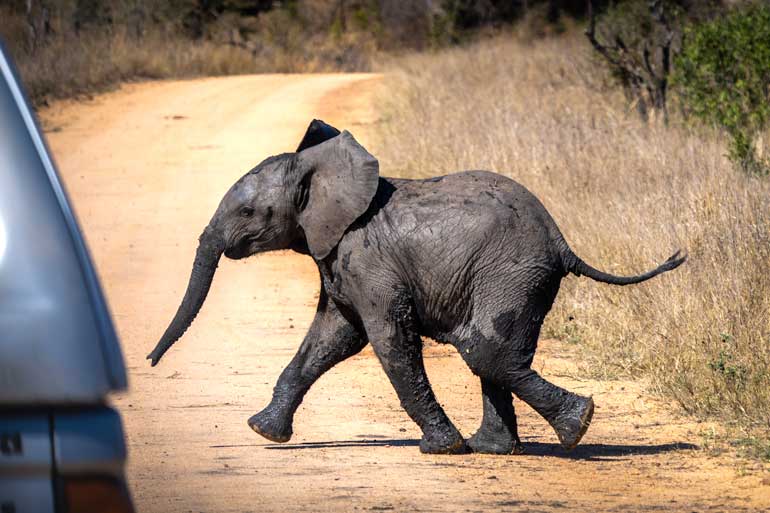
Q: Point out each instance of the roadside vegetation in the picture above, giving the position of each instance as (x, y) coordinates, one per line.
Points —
(626, 194)
(67, 48)
(724, 74)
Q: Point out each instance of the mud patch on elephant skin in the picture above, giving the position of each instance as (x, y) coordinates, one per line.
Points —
(349, 337)
(401, 310)
(504, 323)
(346, 261)
(470, 348)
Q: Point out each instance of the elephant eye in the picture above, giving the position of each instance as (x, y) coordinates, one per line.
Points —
(247, 212)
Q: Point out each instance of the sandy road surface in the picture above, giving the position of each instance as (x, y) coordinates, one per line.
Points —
(146, 167)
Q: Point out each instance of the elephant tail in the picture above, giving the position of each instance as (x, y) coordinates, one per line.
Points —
(575, 265)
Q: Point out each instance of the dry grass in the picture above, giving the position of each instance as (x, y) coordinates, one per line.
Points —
(625, 195)
(72, 66)
(69, 65)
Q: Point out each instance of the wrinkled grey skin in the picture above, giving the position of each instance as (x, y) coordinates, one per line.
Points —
(471, 259)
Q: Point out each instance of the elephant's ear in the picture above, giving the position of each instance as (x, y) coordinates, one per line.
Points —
(317, 132)
(338, 179)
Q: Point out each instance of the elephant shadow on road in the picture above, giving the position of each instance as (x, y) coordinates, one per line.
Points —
(588, 452)
(599, 451)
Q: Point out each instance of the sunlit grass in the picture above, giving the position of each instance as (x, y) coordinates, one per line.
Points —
(66, 65)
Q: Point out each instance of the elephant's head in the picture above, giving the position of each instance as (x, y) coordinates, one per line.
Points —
(305, 199)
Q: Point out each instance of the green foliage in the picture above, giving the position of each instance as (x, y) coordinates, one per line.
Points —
(726, 365)
(443, 26)
(753, 447)
(723, 73)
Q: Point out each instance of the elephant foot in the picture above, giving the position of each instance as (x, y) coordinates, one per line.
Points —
(573, 421)
(268, 425)
(450, 442)
(485, 442)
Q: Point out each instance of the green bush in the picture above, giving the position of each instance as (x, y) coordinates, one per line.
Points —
(723, 73)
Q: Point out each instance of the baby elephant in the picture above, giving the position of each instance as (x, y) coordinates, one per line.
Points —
(472, 259)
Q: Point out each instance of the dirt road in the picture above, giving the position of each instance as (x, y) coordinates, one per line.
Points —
(146, 167)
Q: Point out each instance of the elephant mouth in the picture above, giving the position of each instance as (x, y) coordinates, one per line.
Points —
(245, 247)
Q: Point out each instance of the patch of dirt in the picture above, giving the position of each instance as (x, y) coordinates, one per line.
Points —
(146, 167)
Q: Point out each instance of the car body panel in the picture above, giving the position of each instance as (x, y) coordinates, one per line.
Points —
(57, 342)
(61, 447)
(26, 462)
(88, 442)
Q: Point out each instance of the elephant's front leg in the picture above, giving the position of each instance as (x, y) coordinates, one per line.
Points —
(498, 433)
(330, 340)
(399, 350)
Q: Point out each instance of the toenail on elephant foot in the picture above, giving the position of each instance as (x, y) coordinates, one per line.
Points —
(488, 443)
(573, 421)
(266, 425)
(443, 444)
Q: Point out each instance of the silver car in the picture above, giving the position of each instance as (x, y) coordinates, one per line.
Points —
(61, 445)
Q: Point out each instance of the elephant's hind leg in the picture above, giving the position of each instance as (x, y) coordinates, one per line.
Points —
(498, 433)
(330, 340)
(569, 414)
(502, 351)
(399, 349)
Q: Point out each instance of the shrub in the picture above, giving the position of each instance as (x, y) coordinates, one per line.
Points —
(724, 74)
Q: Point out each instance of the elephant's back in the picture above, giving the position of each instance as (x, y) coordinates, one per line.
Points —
(473, 215)
(476, 198)
(477, 186)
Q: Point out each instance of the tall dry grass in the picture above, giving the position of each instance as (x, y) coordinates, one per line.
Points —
(73, 66)
(66, 64)
(625, 195)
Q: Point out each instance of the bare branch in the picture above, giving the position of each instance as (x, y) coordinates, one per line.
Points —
(620, 50)
(645, 78)
(646, 60)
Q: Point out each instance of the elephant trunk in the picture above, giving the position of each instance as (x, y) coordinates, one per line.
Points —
(210, 248)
